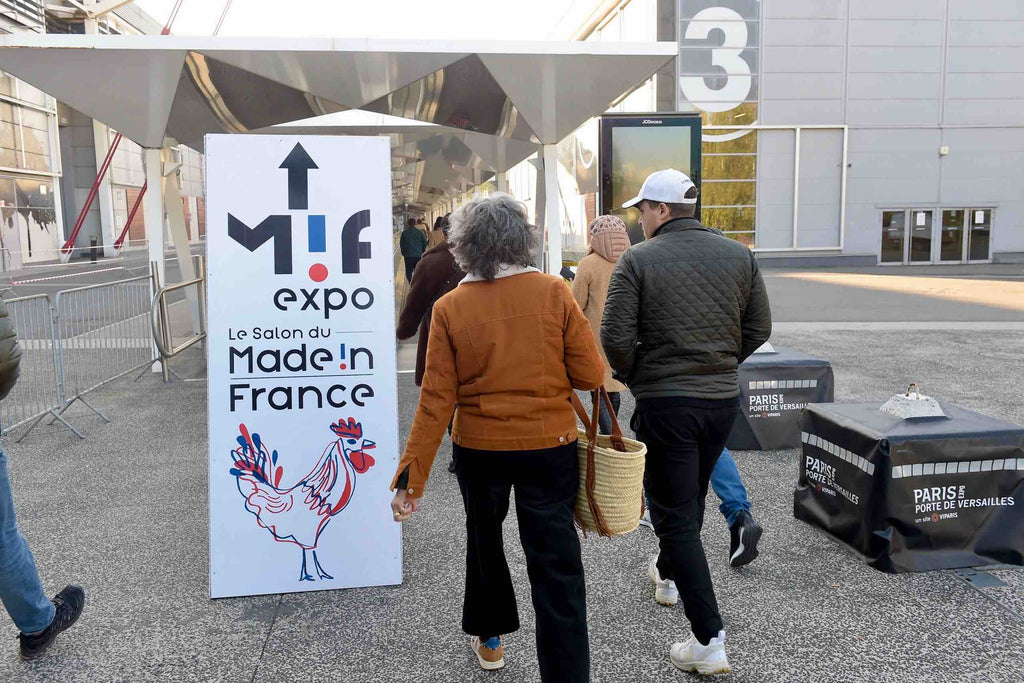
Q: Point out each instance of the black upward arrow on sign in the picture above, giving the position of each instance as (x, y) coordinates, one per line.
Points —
(298, 163)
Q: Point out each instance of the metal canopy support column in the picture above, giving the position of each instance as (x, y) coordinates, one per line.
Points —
(153, 212)
(501, 180)
(552, 222)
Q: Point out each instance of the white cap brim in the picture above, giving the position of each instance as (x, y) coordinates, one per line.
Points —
(632, 202)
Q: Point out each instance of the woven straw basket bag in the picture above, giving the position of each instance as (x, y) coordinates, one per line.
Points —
(610, 498)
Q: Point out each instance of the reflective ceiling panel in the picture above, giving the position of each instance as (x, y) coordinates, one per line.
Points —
(462, 95)
(214, 97)
(350, 77)
(537, 85)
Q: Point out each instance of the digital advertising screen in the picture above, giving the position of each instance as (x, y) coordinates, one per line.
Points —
(635, 145)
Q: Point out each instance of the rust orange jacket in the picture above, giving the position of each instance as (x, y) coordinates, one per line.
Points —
(506, 353)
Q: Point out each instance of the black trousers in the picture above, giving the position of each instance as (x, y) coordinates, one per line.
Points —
(410, 265)
(683, 444)
(545, 482)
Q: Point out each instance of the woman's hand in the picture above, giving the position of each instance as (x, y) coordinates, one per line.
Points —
(403, 506)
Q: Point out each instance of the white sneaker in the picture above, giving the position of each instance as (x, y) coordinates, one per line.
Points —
(646, 519)
(665, 592)
(704, 659)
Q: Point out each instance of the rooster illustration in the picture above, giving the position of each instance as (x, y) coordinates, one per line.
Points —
(299, 514)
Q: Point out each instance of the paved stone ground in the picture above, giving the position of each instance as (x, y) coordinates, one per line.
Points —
(124, 514)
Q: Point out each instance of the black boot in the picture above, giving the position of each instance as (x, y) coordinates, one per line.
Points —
(69, 604)
(745, 533)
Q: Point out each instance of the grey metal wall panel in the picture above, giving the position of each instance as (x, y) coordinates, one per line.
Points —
(1004, 112)
(873, 86)
(986, 33)
(999, 10)
(888, 33)
(802, 112)
(775, 225)
(787, 86)
(897, 9)
(895, 59)
(803, 9)
(897, 192)
(821, 155)
(810, 32)
(892, 112)
(885, 140)
(775, 189)
(985, 59)
(985, 86)
(1008, 227)
(802, 59)
(863, 228)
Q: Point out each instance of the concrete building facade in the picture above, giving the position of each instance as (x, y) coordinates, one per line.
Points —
(50, 153)
(854, 132)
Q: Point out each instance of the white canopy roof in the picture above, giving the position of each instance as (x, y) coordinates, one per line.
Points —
(494, 102)
(154, 87)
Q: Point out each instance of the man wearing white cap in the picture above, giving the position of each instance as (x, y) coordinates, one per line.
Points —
(684, 309)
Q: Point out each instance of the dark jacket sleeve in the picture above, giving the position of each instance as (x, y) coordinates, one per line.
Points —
(10, 353)
(757, 317)
(427, 280)
(619, 324)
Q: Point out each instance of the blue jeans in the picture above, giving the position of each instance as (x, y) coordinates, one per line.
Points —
(725, 480)
(20, 588)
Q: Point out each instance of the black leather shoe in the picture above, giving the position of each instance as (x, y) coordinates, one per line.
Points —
(745, 533)
(69, 604)
(451, 466)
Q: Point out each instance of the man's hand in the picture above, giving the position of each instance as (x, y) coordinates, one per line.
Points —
(403, 506)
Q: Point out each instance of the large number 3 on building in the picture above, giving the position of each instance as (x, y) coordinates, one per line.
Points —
(726, 57)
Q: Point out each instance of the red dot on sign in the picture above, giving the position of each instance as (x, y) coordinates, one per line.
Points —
(343, 366)
(318, 272)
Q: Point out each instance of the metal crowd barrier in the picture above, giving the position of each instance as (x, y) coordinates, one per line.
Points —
(86, 338)
(102, 335)
(37, 392)
(161, 324)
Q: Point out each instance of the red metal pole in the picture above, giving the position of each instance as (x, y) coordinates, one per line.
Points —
(69, 246)
(131, 217)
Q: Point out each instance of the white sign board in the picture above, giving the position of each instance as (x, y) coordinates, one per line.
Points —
(303, 403)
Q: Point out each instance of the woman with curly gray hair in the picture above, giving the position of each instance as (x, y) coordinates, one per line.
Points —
(507, 347)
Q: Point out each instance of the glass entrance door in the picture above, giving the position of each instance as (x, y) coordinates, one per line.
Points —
(894, 226)
(979, 232)
(920, 242)
(951, 240)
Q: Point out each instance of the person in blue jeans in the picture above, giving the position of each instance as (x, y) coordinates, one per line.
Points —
(38, 618)
(735, 507)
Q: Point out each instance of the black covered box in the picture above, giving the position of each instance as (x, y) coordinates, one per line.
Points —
(774, 388)
(914, 495)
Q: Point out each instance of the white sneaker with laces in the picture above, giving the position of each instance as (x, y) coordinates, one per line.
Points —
(704, 659)
(665, 592)
(646, 519)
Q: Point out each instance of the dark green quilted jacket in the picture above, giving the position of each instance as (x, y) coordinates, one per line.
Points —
(10, 353)
(684, 309)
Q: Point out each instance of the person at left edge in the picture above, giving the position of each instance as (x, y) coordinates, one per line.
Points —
(436, 275)
(506, 348)
(412, 243)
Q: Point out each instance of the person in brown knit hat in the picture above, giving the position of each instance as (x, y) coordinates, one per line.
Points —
(608, 241)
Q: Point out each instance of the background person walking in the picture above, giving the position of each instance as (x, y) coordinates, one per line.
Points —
(608, 240)
(684, 309)
(412, 243)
